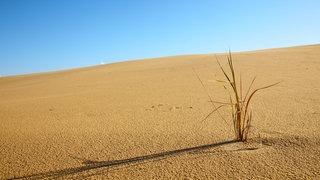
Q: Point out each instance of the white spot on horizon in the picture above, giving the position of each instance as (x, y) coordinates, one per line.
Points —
(102, 63)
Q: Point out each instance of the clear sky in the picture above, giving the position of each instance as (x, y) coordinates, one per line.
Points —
(47, 35)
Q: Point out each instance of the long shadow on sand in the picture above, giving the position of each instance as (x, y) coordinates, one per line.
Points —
(90, 165)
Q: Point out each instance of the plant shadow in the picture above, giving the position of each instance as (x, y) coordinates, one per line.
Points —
(91, 165)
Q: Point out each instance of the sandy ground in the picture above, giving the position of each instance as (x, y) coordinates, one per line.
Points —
(144, 120)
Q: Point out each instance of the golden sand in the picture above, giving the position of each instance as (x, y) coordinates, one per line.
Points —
(144, 120)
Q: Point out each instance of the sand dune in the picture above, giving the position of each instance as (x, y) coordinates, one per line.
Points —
(143, 120)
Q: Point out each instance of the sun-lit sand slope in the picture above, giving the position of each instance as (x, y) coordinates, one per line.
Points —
(137, 119)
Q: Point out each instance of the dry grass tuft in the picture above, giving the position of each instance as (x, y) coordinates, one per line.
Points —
(239, 104)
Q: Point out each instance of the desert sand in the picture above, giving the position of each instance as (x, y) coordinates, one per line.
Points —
(144, 119)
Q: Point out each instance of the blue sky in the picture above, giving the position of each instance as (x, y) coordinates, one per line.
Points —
(47, 35)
